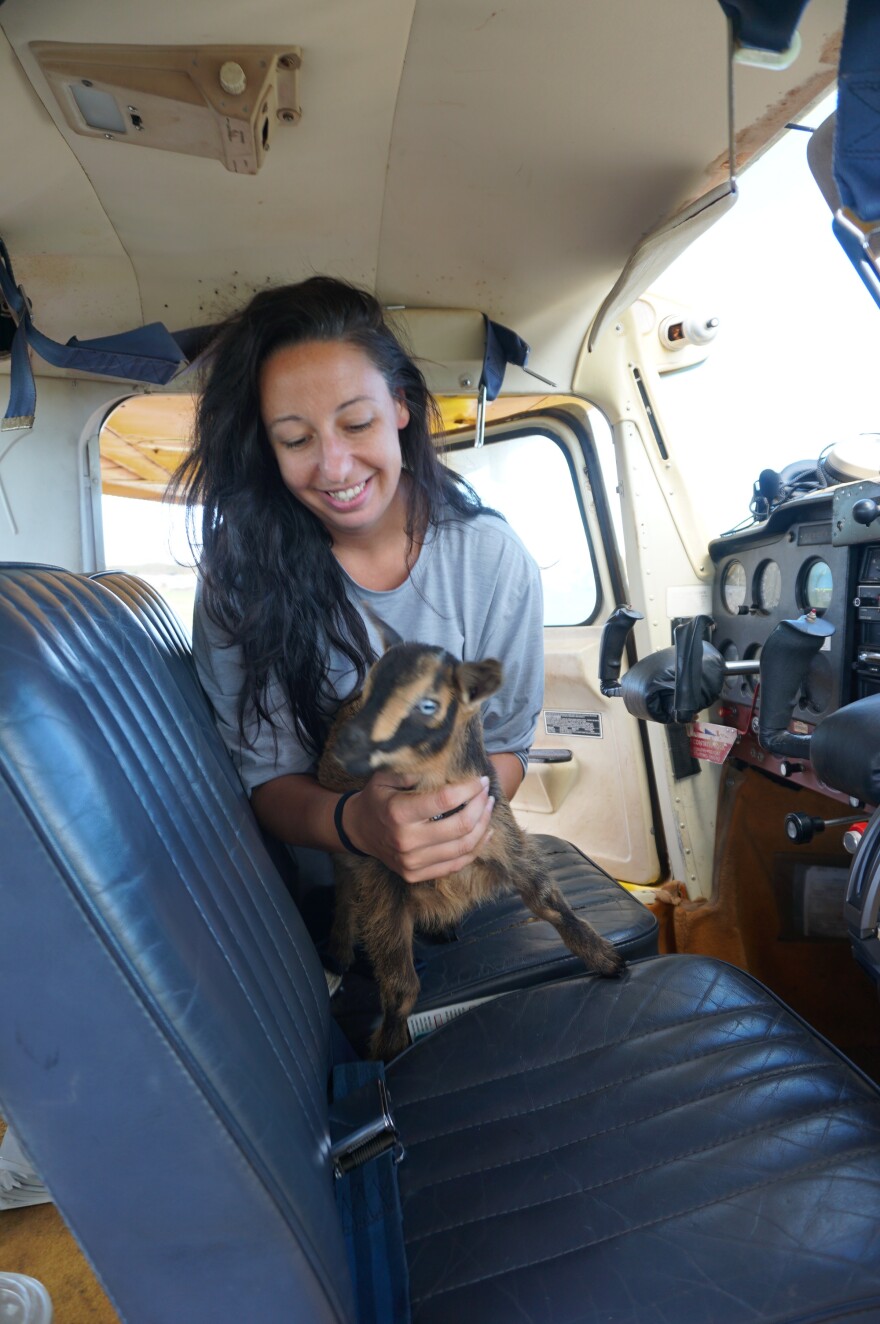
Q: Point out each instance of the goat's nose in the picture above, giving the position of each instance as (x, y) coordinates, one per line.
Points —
(353, 743)
(353, 737)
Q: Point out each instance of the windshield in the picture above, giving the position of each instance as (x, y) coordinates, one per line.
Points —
(794, 366)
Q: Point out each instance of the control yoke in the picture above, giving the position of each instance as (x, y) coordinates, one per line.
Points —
(615, 633)
(785, 661)
(671, 685)
(674, 684)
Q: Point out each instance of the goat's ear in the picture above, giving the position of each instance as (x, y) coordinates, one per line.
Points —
(388, 636)
(477, 680)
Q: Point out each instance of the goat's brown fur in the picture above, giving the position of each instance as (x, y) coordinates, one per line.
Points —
(419, 715)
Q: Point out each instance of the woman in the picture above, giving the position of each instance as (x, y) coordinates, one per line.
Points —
(322, 493)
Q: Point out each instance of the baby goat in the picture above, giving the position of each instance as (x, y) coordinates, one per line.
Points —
(419, 716)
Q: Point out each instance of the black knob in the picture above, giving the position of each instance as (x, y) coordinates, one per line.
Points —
(801, 828)
(788, 768)
(865, 511)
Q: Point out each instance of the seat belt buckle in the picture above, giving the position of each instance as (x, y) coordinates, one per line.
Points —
(362, 1127)
(855, 238)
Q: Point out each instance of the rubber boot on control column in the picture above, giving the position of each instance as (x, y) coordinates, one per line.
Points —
(785, 661)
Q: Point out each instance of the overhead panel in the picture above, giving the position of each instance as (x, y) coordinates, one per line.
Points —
(223, 102)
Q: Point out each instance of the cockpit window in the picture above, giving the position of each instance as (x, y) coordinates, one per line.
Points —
(529, 480)
(793, 368)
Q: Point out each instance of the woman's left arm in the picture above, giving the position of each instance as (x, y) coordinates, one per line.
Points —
(510, 772)
(513, 631)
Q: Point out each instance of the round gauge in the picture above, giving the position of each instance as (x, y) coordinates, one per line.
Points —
(817, 586)
(752, 654)
(768, 586)
(729, 651)
(733, 587)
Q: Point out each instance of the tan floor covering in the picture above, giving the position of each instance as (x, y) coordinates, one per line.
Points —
(36, 1241)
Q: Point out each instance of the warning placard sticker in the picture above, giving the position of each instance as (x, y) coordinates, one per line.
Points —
(711, 742)
(573, 724)
(423, 1022)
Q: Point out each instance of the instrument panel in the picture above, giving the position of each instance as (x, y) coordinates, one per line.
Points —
(813, 554)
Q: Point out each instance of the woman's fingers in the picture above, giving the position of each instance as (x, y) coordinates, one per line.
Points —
(435, 859)
(425, 835)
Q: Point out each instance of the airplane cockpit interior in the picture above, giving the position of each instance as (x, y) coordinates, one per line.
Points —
(620, 1064)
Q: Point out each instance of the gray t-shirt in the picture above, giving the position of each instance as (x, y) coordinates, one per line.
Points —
(474, 591)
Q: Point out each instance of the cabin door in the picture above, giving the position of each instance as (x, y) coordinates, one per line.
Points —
(542, 472)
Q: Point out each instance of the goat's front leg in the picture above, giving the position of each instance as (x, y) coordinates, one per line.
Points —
(546, 901)
(343, 935)
(388, 937)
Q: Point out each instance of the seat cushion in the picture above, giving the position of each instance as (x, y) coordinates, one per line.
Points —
(673, 1146)
(502, 946)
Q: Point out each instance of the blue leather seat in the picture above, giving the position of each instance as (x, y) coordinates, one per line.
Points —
(673, 1145)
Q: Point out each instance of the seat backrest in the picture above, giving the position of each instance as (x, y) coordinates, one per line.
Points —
(164, 1036)
(155, 614)
(169, 636)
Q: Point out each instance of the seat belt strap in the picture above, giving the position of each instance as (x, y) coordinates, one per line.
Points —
(857, 138)
(145, 354)
(502, 347)
(365, 1151)
(856, 159)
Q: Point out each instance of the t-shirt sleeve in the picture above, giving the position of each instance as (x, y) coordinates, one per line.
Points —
(513, 632)
(266, 751)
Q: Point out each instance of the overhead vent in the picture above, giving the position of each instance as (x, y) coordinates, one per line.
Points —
(222, 102)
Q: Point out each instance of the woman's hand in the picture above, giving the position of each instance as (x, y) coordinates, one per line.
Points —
(409, 831)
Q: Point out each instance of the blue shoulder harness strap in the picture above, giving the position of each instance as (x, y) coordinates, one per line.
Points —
(503, 347)
(857, 141)
(770, 25)
(146, 354)
(365, 1159)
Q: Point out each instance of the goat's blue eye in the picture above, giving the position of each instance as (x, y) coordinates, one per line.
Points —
(427, 707)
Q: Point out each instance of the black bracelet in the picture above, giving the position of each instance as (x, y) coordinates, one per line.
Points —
(337, 820)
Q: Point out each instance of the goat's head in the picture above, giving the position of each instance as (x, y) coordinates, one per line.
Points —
(418, 701)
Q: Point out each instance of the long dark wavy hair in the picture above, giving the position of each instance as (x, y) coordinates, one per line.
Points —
(269, 578)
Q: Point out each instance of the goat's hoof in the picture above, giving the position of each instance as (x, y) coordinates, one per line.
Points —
(608, 961)
(387, 1042)
(342, 959)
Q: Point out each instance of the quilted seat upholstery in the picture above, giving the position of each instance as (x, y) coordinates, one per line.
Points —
(675, 1146)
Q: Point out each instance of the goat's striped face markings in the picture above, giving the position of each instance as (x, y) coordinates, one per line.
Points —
(411, 695)
(416, 698)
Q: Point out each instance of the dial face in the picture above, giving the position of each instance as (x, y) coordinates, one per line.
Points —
(818, 586)
(768, 586)
(734, 587)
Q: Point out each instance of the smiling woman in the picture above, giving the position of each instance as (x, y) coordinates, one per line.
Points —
(325, 507)
(333, 425)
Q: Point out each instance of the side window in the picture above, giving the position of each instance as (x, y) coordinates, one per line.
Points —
(148, 539)
(528, 479)
(141, 442)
